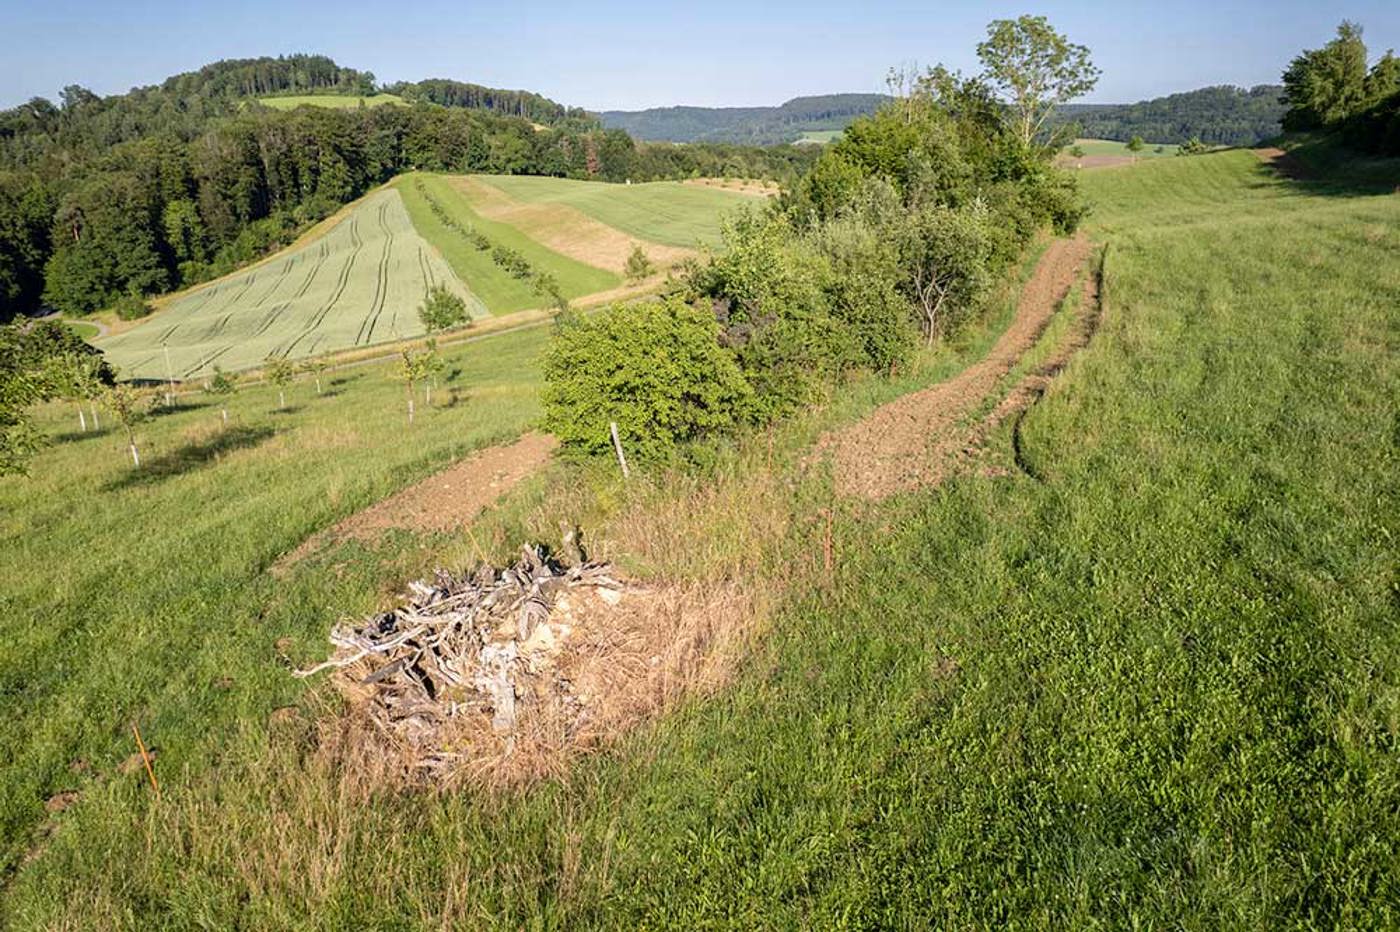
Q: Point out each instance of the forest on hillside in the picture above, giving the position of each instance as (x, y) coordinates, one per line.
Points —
(1223, 115)
(750, 125)
(119, 197)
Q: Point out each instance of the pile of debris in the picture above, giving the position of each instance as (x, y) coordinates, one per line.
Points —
(465, 649)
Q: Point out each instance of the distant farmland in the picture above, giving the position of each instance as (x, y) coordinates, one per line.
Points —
(664, 212)
(333, 101)
(360, 283)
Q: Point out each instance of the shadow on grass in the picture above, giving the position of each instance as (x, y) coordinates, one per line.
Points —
(1326, 167)
(180, 407)
(192, 456)
(346, 379)
(73, 436)
(288, 411)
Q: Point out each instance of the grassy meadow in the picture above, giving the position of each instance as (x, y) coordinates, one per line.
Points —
(356, 285)
(664, 212)
(501, 290)
(1157, 687)
(333, 101)
(1113, 147)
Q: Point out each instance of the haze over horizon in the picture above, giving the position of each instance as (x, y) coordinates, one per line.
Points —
(631, 56)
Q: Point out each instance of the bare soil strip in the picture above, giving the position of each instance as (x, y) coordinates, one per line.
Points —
(564, 229)
(922, 438)
(442, 502)
(1283, 163)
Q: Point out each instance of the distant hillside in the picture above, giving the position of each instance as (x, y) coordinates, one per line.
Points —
(752, 125)
(1223, 115)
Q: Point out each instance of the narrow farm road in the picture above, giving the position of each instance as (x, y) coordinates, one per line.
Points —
(921, 438)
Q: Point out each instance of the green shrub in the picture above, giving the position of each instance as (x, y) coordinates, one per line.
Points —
(655, 368)
(131, 307)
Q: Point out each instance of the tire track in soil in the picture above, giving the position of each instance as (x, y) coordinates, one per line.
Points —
(443, 502)
(206, 361)
(341, 282)
(920, 439)
(381, 282)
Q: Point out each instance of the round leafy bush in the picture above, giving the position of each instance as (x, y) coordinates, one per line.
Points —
(131, 307)
(654, 368)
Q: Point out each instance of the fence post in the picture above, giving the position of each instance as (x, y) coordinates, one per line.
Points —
(617, 445)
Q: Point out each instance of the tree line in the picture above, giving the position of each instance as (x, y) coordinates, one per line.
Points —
(895, 237)
(1223, 116)
(1333, 90)
(105, 199)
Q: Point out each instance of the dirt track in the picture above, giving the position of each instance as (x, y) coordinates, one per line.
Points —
(444, 501)
(921, 438)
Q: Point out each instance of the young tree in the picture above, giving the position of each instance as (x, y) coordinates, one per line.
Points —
(126, 406)
(1135, 145)
(639, 265)
(412, 368)
(441, 309)
(316, 367)
(945, 253)
(1036, 68)
(546, 285)
(222, 385)
(433, 364)
(78, 377)
(280, 372)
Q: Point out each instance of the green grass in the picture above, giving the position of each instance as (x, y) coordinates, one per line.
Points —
(359, 284)
(1111, 147)
(332, 101)
(665, 212)
(821, 135)
(145, 594)
(501, 291)
(83, 328)
(1158, 689)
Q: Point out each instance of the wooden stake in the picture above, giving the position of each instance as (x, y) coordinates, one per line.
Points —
(617, 445)
(146, 758)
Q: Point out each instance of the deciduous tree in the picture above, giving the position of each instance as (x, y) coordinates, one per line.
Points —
(1036, 68)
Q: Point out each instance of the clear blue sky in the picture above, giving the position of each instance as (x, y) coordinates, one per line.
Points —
(630, 55)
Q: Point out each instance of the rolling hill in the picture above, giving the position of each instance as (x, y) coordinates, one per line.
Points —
(357, 280)
(752, 125)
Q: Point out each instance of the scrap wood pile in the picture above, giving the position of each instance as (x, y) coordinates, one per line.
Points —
(468, 648)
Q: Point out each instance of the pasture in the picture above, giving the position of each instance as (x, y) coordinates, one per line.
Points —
(332, 101)
(667, 213)
(1150, 150)
(501, 291)
(358, 284)
(1153, 686)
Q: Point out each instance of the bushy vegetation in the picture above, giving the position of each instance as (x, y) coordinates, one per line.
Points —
(898, 231)
(655, 369)
(1331, 89)
(131, 307)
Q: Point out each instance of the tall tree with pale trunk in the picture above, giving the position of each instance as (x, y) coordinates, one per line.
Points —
(1036, 69)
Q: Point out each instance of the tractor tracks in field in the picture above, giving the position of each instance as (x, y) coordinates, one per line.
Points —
(381, 282)
(928, 436)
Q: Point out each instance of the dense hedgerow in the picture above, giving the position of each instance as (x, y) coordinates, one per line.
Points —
(655, 369)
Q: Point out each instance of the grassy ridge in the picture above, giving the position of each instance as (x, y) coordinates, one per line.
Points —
(665, 212)
(1157, 689)
(501, 291)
